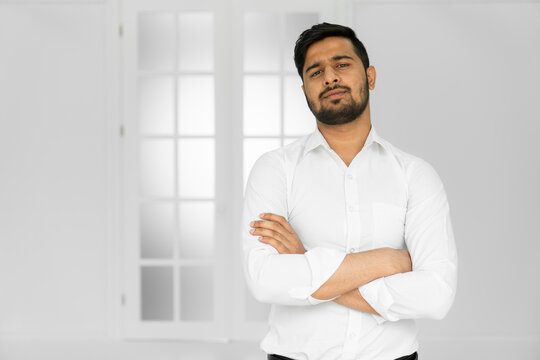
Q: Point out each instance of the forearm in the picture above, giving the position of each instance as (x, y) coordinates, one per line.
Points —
(289, 279)
(429, 290)
(358, 269)
(354, 300)
(423, 293)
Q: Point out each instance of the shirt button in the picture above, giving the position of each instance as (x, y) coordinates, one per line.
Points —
(353, 336)
(353, 208)
(350, 176)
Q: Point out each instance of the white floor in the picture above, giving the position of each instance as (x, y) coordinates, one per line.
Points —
(432, 349)
(120, 350)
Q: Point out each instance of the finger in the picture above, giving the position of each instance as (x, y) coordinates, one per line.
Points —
(272, 225)
(274, 243)
(279, 219)
(284, 240)
(268, 233)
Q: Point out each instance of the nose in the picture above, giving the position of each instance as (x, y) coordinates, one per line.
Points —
(330, 77)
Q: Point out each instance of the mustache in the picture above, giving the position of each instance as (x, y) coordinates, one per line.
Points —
(321, 95)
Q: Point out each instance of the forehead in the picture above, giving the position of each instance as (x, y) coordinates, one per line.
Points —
(327, 48)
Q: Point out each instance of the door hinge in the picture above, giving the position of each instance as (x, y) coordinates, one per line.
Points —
(123, 300)
(122, 130)
(120, 30)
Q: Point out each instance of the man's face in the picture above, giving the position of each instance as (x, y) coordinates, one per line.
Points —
(335, 82)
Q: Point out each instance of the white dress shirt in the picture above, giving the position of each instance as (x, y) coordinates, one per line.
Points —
(384, 198)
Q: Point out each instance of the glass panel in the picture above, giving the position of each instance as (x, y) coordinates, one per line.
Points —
(256, 311)
(157, 293)
(196, 229)
(261, 105)
(253, 149)
(261, 42)
(196, 167)
(157, 167)
(156, 41)
(157, 230)
(196, 53)
(298, 119)
(295, 24)
(196, 105)
(196, 293)
(156, 106)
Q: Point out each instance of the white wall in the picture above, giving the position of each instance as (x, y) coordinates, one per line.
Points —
(53, 182)
(55, 156)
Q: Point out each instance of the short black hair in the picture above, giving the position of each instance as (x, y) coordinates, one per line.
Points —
(321, 31)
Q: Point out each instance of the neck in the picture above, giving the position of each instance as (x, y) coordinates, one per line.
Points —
(347, 139)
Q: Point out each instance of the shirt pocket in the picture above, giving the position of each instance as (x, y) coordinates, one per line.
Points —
(388, 225)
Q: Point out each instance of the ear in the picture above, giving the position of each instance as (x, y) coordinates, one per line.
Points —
(371, 77)
(303, 89)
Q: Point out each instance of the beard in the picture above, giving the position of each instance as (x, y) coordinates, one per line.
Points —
(347, 112)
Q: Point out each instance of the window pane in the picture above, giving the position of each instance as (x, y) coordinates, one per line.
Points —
(261, 42)
(196, 229)
(253, 149)
(295, 24)
(157, 293)
(156, 41)
(196, 293)
(196, 53)
(156, 107)
(157, 230)
(196, 167)
(196, 105)
(261, 105)
(298, 119)
(157, 168)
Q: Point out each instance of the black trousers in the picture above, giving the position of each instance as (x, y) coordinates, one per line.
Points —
(279, 357)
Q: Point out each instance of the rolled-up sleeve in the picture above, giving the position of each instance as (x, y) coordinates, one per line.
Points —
(429, 290)
(285, 279)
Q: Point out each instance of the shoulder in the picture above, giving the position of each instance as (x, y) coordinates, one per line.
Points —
(271, 171)
(268, 168)
(419, 174)
(281, 158)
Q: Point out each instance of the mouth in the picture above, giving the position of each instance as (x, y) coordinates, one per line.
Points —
(334, 94)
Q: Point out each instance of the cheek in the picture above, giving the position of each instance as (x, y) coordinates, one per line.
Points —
(312, 96)
(358, 90)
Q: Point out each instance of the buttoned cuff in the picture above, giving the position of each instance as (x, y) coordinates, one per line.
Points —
(323, 263)
(377, 295)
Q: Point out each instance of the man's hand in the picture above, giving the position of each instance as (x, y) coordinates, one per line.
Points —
(275, 231)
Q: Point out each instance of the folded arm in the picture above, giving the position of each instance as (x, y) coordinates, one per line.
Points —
(280, 272)
(272, 274)
(429, 290)
(274, 278)
(278, 269)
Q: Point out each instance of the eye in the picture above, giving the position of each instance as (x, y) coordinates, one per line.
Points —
(342, 65)
(315, 73)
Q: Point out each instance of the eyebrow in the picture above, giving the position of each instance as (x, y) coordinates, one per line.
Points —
(335, 58)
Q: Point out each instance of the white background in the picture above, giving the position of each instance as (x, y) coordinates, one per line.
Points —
(458, 84)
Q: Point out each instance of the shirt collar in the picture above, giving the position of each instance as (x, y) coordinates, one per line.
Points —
(316, 139)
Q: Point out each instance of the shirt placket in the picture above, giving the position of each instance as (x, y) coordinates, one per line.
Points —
(354, 235)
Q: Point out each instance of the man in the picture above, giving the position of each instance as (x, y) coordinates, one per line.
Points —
(348, 237)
